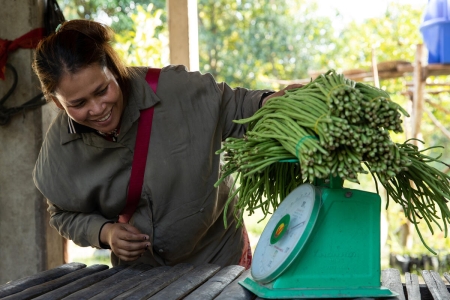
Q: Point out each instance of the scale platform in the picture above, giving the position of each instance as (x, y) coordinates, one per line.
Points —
(323, 241)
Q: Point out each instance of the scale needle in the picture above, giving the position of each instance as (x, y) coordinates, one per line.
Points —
(299, 224)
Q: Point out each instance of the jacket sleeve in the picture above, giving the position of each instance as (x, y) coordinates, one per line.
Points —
(67, 184)
(82, 228)
(197, 88)
(237, 103)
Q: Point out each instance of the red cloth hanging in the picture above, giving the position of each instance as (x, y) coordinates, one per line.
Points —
(27, 41)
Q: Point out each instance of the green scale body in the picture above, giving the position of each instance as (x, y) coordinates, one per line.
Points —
(336, 256)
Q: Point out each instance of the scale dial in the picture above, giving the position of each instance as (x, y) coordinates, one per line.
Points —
(286, 233)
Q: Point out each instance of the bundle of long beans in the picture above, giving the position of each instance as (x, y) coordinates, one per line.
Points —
(332, 126)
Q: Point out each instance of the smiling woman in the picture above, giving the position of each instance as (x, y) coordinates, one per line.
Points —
(88, 154)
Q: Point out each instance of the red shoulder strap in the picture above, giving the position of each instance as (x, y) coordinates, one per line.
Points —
(140, 152)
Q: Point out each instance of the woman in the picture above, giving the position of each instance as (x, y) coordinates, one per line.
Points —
(84, 165)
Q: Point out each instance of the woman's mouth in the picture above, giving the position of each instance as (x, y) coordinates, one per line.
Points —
(105, 117)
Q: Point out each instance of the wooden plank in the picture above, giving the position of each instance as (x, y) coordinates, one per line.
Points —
(129, 283)
(79, 284)
(112, 281)
(236, 291)
(19, 285)
(215, 285)
(435, 285)
(390, 278)
(149, 288)
(187, 283)
(412, 286)
(447, 276)
(46, 287)
(425, 293)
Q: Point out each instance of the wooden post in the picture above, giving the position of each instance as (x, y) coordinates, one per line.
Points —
(183, 33)
(376, 80)
(418, 92)
(418, 101)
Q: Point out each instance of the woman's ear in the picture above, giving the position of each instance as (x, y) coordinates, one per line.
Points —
(56, 101)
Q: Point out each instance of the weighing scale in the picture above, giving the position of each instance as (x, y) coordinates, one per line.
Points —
(323, 241)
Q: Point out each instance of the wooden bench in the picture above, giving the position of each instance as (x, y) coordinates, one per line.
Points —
(434, 287)
(183, 281)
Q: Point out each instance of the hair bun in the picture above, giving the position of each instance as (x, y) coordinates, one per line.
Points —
(94, 30)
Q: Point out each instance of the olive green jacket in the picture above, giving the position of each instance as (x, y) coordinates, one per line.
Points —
(85, 177)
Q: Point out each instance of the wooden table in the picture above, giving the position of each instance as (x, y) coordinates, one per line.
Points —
(183, 281)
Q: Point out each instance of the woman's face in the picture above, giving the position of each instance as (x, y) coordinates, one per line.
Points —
(91, 97)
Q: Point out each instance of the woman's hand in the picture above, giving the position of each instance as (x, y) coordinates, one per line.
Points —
(126, 241)
(281, 92)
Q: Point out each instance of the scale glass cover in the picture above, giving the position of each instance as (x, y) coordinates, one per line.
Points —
(285, 233)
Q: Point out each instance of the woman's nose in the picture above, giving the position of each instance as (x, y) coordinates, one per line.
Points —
(97, 107)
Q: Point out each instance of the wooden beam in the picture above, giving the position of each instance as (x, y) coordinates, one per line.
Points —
(401, 70)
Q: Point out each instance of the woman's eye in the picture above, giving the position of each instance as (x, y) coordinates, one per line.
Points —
(102, 92)
(79, 104)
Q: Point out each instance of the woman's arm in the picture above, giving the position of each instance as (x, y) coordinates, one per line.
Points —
(126, 241)
(240, 103)
(280, 92)
(82, 228)
(237, 103)
(92, 229)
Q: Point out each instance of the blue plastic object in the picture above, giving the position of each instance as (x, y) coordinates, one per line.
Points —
(435, 30)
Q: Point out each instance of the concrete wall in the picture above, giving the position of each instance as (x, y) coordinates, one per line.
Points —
(27, 244)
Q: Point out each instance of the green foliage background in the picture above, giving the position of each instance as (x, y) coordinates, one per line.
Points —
(256, 43)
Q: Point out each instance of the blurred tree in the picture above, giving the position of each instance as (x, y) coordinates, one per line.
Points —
(116, 13)
(395, 36)
(249, 42)
(244, 42)
(146, 43)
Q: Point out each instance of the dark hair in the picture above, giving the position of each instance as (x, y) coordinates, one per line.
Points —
(75, 45)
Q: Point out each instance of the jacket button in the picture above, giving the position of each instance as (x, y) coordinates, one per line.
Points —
(161, 250)
(202, 209)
